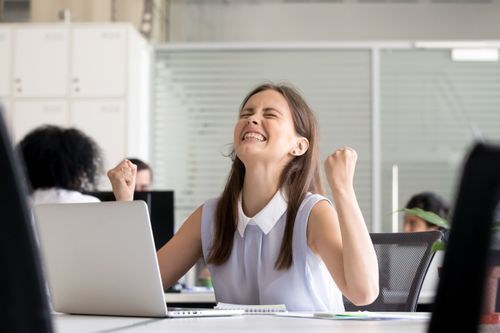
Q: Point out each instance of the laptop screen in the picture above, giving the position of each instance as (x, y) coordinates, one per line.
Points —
(161, 212)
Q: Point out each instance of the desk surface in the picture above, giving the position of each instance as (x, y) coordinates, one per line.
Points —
(249, 323)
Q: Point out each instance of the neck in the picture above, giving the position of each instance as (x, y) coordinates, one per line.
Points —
(260, 185)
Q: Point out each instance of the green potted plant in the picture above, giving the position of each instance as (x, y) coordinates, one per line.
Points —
(432, 218)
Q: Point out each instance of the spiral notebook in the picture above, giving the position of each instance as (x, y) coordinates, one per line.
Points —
(252, 309)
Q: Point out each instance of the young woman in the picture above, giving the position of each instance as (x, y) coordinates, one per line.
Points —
(271, 237)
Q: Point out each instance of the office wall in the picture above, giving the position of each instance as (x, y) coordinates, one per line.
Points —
(240, 20)
(86, 11)
(140, 13)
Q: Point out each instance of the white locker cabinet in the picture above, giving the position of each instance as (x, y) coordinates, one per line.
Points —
(99, 59)
(92, 76)
(28, 114)
(5, 61)
(40, 61)
(104, 121)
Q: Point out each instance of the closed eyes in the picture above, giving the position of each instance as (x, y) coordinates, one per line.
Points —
(268, 113)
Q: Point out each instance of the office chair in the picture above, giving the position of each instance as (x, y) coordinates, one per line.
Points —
(459, 299)
(23, 299)
(403, 260)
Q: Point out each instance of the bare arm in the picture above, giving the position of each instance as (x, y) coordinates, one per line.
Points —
(340, 236)
(182, 251)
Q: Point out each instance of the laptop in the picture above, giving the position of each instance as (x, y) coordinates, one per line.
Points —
(100, 259)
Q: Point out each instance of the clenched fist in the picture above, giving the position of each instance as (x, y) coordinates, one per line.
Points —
(339, 169)
(122, 178)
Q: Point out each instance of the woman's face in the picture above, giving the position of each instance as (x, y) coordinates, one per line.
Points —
(143, 180)
(414, 223)
(265, 130)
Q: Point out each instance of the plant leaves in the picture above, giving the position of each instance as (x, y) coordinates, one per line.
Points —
(438, 245)
(427, 216)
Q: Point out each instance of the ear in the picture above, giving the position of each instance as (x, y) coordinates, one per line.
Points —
(301, 147)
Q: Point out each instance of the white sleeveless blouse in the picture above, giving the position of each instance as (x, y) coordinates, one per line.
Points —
(249, 276)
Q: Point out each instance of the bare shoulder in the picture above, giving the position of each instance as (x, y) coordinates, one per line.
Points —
(322, 212)
(323, 221)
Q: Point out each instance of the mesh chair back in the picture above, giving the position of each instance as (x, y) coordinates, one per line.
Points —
(403, 260)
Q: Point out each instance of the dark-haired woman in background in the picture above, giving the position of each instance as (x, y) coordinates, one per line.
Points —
(430, 202)
(427, 201)
(60, 164)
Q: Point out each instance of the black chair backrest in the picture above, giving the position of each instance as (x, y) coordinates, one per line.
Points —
(23, 298)
(403, 260)
(460, 290)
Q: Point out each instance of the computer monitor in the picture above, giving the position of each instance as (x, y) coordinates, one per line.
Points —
(459, 299)
(23, 297)
(161, 212)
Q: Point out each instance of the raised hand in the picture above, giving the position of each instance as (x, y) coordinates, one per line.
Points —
(339, 169)
(122, 178)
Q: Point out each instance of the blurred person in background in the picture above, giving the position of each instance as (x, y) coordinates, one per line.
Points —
(429, 202)
(144, 178)
(61, 163)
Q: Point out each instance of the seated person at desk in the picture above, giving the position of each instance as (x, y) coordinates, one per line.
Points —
(431, 202)
(271, 237)
(427, 201)
(144, 178)
(60, 164)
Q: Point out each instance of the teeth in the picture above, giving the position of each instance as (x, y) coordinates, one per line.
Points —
(253, 135)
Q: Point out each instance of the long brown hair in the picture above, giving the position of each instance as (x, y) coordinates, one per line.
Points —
(300, 176)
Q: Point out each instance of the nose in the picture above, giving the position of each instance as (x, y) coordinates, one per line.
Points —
(253, 120)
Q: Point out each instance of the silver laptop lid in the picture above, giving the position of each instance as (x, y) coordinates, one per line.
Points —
(100, 258)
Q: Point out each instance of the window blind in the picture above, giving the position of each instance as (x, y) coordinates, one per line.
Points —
(431, 112)
(196, 99)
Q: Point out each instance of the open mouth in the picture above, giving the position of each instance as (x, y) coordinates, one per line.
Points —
(254, 136)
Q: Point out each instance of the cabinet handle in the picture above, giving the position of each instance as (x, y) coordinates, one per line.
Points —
(110, 109)
(17, 80)
(52, 108)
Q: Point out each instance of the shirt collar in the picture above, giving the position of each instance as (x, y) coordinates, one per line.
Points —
(267, 218)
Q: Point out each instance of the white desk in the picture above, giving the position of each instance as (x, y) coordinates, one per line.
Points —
(248, 323)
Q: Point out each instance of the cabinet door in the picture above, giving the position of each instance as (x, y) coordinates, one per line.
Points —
(98, 62)
(26, 115)
(40, 61)
(5, 62)
(104, 121)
